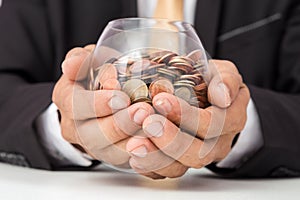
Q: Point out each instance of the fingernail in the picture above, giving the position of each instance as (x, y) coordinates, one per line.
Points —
(141, 151)
(225, 91)
(117, 103)
(163, 105)
(140, 115)
(154, 129)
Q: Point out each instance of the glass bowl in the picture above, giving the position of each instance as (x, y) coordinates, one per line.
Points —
(144, 57)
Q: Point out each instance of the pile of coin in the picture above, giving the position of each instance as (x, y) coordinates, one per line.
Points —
(142, 75)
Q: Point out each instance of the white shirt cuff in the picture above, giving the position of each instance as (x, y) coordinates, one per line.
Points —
(249, 142)
(49, 130)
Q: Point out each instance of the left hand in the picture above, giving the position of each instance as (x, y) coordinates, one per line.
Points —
(204, 136)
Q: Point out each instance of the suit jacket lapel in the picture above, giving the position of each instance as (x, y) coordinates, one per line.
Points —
(207, 23)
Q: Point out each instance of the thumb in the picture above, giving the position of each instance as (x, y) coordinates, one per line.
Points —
(76, 64)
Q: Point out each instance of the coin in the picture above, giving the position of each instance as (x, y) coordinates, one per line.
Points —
(104, 72)
(167, 73)
(195, 55)
(200, 87)
(194, 78)
(160, 85)
(181, 59)
(166, 58)
(186, 66)
(144, 73)
(183, 93)
(135, 89)
(142, 99)
(139, 66)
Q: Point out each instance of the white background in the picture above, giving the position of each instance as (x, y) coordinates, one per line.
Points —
(28, 184)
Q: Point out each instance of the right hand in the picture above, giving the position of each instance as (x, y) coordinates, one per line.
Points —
(101, 121)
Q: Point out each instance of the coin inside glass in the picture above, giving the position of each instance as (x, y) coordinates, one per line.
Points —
(160, 85)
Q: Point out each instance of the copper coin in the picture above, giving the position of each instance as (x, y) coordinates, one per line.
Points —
(160, 85)
(195, 55)
(200, 87)
(105, 72)
(139, 66)
(166, 58)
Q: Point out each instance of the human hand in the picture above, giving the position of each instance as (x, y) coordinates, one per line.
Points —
(101, 121)
(204, 136)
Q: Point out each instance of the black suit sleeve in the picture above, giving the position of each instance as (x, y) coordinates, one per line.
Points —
(25, 79)
(279, 112)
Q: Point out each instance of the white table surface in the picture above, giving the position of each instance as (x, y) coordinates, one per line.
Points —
(22, 183)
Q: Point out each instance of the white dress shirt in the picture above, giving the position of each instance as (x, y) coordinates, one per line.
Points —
(249, 141)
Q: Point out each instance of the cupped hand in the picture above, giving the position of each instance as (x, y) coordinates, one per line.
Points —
(183, 136)
(101, 121)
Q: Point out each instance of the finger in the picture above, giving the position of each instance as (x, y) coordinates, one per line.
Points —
(80, 104)
(68, 130)
(75, 66)
(114, 154)
(236, 115)
(224, 84)
(170, 140)
(147, 158)
(153, 176)
(186, 149)
(194, 120)
(218, 66)
(97, 134)
(90, 47)
(111, 84)
(204, 123)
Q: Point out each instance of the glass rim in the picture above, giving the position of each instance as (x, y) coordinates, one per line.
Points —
(187, 26)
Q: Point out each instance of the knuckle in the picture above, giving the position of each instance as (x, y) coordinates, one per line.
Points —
(201, 163)
(74, 51)
(67, 103)
(177, 174)
(224, 152)
(239, 124)
(67, 130)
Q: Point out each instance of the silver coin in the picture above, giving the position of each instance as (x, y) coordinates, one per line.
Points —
(135, 89)
(183, 93)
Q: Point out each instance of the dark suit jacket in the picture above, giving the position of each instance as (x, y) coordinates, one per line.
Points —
(262, 37)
